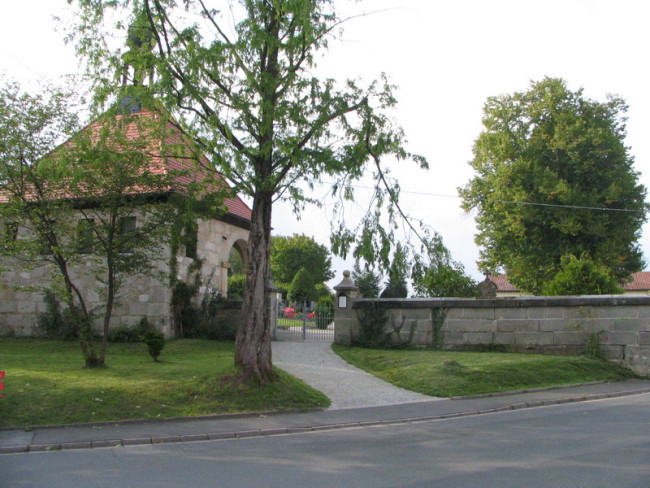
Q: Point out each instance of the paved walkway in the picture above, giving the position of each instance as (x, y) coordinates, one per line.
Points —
(345, 385)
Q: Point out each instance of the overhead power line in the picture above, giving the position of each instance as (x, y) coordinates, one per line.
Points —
(535, 204)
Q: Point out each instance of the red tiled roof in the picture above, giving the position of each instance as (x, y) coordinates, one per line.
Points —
(640, 282)
(503, 285)
(162, 163)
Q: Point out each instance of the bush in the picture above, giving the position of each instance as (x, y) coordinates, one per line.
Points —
(237, 286)
(581, 276)
(55, 323)
(324, 312)
(373, 318)
(302, 287)
(155, 342)
(209, 320)
(184, 314)
(130, 334)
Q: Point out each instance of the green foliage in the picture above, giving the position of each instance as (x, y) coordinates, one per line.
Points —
(397, 286)
(593, 348)
(367, 280)
(302, 287)
(155, 342)
(324, 312)
(438, 316)
(208, 320)
(554, 177)
(237, 286)
(252, 104)
(183, 312)
(290, 254)
(53, 322)
(436, 274)
(373, 318)
(130, 334)
(118, 205)
(581, 276)
(322, 290)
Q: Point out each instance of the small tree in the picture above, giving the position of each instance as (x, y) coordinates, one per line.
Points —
(581, 276)
(397, 285)
(302, 288)
(97, 206)
(367, 280)
(436, 274)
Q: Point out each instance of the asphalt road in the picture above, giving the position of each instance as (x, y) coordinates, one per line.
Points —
(603, 443)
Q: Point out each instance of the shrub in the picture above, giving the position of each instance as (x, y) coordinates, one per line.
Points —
(130, 334)
(155, 342)
(593, 349)
(324, 312)
(581, 276)
(302, 287)
(184, 313)
(237, 286)
(373, 318)
(55, 323)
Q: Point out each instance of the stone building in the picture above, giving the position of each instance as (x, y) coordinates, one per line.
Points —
(217, 237)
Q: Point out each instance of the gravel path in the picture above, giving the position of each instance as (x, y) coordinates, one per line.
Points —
(346, 386)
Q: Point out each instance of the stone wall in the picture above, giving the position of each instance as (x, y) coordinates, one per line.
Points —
(537, 324)
(21, 288)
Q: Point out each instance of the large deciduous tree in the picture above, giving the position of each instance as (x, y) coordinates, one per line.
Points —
(242, 86)
(291, 253)
(554, 178)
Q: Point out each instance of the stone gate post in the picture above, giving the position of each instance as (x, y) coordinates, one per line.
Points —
(345, 319)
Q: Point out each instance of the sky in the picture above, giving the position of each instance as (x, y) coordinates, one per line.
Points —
(446, 58)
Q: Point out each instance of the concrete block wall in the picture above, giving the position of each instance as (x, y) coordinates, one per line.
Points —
(537, 324)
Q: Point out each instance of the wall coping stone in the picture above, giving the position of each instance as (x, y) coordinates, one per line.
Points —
(510, 302)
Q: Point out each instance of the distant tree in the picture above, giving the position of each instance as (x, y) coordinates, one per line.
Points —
(302, 287)
(398, 272)
(581, 276)
(436, 274)
(290, 254)
(367, 280)
(554, 177)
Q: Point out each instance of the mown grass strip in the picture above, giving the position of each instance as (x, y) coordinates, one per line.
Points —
(46, 383)
(447, 373)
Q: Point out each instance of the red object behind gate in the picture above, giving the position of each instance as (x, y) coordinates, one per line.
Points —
(2, 383)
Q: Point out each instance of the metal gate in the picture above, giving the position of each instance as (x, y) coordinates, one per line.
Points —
(304, 325)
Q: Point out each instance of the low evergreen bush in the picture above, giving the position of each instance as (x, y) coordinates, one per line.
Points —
(155, 342)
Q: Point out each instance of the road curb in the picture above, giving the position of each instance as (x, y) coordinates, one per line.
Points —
(242, 434)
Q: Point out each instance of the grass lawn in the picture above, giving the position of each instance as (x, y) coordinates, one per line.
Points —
(446, 373)
(46, 383)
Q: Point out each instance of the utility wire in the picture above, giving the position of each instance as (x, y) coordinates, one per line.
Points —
(576, 207)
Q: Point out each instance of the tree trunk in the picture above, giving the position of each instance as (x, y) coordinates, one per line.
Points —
(253, 348)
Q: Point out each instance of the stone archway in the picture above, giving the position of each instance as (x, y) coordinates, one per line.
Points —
(238, 257)
(237, 261)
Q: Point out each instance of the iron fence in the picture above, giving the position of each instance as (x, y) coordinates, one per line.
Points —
(304, 324)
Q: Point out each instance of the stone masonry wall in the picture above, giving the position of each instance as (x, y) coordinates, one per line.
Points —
(21, 295)
(537, 324)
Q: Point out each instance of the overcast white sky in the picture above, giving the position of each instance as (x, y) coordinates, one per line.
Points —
(446, 57)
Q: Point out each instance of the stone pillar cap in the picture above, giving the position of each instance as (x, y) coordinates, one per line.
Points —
(347, 284)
